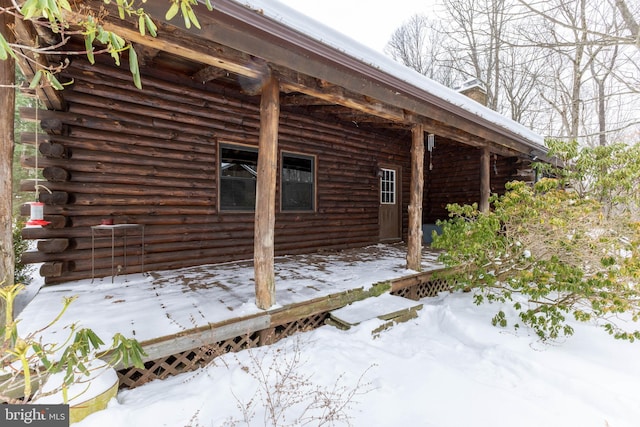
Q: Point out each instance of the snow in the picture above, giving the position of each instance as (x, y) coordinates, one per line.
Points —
(324, 34)
(447, 367)
(163, 303)
(101, 378)
(385, 306)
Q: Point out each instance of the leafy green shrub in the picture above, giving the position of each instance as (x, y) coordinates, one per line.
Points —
(550, 253)
(26, 361)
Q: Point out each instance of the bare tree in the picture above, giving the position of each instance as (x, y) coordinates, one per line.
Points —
(421, 44)
(601, 71)
(585, 48)
(409, 45)
(566, 68)
(630, 20)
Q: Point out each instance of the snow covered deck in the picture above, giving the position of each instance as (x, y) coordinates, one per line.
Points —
(172, 311)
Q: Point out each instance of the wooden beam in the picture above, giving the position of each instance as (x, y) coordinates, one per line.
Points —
(263, 251)
(174, 42)
(296, 99)
(485, 179)
(146, 54)
(208, 74)
(414, 240)
(26, 36)
(352, 91)
(295, 82)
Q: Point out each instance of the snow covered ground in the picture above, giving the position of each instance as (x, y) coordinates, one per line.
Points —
(448, 367)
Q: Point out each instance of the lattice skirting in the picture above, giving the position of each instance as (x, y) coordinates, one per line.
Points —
(198, 357)
(184, 362)
(426, 289)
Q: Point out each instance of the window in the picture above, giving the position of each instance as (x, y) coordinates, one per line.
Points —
(298, 178)
(388, 187)
(238, 172)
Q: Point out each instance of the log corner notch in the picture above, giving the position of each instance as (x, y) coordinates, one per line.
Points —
(414, 234)
(263, 251)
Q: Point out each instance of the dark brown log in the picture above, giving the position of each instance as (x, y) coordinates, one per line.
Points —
(56, 221)
(266, 195)
(54, 150)
(54, 198)
(56, 174)
(208, 74)
(88, 191)
(29, 138)
(51, 269)
(53, 246)
(112, 173)
(52, 126)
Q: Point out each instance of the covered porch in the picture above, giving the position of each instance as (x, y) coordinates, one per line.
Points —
(184, 318)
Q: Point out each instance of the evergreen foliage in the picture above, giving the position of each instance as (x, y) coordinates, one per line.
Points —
(555, 249)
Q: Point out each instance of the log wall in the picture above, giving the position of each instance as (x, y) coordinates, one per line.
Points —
(150, 157)
(452, 175)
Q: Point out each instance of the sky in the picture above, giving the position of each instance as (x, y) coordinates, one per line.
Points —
(370, 22)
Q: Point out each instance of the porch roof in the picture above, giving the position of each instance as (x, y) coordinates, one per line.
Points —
(316, 37)
(251, 38)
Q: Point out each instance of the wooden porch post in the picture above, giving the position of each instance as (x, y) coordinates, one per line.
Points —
(485, 179)
(263, 247)
(7, 108)
(414, 240)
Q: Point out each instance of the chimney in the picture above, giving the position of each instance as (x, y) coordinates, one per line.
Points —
(474, 89)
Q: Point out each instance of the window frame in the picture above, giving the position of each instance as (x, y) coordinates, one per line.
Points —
(235, 146)
(314, 183)
(393, 192)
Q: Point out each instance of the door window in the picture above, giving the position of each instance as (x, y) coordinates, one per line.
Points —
(388, 187)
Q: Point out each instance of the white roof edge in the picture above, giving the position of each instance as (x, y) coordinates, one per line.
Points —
(306, 26)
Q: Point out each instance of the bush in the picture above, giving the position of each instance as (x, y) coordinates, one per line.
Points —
(26, 361)
(550, 253)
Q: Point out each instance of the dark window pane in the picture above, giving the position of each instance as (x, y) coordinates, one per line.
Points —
(238, 171)
(297, 183)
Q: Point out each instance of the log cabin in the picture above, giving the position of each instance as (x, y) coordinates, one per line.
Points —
(261, 134)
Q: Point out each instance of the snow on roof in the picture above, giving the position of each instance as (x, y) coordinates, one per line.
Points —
(303, 24)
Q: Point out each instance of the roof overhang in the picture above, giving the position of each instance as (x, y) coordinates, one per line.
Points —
(249, 40)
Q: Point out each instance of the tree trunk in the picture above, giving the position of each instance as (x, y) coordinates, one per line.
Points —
(266, 195)
(414, 241)
(7, 108)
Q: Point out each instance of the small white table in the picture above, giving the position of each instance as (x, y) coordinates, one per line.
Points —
(124, 228)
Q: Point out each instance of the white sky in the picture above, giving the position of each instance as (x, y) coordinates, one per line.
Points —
(370, 22)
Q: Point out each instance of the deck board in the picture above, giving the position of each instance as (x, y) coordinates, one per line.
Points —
(171, 310)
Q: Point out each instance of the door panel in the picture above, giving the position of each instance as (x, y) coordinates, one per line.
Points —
(389, 216)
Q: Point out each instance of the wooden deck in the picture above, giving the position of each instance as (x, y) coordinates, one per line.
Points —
(183, 318)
